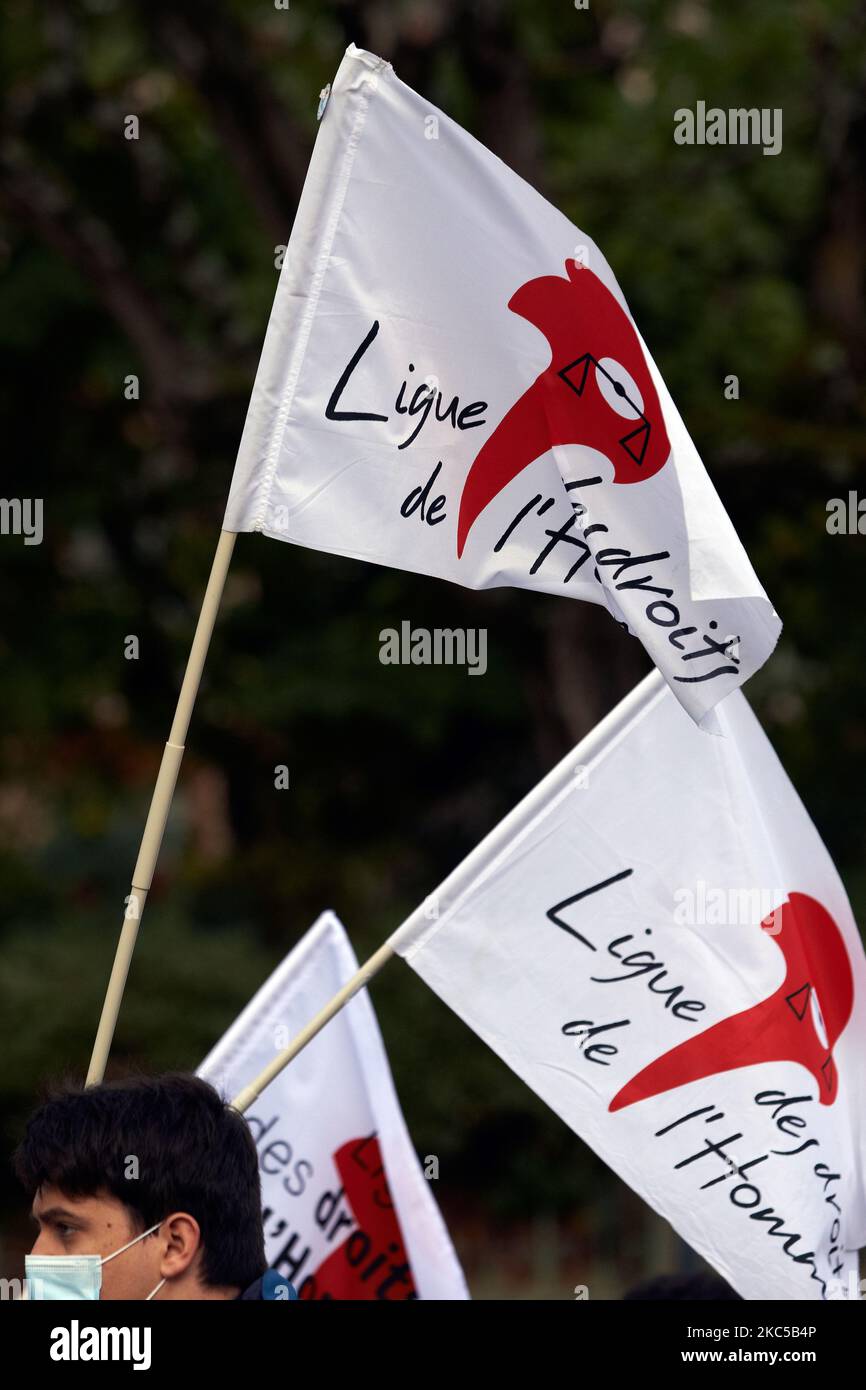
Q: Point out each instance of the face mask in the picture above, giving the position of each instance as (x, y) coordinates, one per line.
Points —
(73, 1276)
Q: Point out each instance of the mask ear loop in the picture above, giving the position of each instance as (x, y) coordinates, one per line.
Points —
(134, 1240)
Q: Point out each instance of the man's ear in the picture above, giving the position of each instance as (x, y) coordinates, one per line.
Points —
(181, 1235)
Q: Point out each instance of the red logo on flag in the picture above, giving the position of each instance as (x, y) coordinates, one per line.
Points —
(597, 392)
(800, 1022)
(372, 1262)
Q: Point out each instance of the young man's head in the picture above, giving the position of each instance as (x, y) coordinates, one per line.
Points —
(104, 1165)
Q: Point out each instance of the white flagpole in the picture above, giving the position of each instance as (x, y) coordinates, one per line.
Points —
(157, 816)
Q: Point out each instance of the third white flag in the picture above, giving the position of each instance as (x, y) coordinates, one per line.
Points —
(348, 1212)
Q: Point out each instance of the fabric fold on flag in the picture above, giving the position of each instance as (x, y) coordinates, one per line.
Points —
(670, 961)
(452, 383)
(348, 1212)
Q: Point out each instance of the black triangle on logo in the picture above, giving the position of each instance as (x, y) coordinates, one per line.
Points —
(641, 435)
(827, 1072)
(805, 991)
(582, 363)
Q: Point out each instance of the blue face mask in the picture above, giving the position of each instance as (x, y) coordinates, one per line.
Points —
(73, 1276)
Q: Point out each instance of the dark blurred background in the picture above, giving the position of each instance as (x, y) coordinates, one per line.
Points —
(156, 257)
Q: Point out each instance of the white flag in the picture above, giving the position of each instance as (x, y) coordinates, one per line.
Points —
(348, 1213)
(670, 961)
(451, 383)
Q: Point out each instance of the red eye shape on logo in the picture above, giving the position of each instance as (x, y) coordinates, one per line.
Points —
(597, 391)
(800, 1022)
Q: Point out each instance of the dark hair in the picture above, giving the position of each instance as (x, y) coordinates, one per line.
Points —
(194, 1153)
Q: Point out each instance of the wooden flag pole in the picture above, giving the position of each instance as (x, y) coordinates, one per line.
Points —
(245, 1098)
(157, 816)
(478, 861)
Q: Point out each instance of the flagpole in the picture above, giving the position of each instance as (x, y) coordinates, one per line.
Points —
(244, 1099)
(157, 816)
(481, 858)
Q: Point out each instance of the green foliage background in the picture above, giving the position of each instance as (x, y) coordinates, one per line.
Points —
(156, 257)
